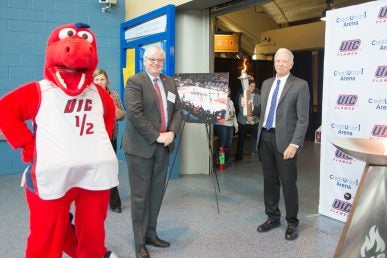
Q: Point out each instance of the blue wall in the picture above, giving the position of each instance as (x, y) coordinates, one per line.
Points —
(24, 28)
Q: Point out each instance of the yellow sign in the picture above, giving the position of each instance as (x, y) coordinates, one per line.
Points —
(129, 69)
(226, 43)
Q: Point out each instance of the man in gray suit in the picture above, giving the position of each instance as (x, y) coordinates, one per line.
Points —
(153, 119)
(284, 116)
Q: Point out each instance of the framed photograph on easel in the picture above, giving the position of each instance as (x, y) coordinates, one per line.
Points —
(203, 96)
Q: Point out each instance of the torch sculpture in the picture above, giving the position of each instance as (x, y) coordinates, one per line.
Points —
(247, 107)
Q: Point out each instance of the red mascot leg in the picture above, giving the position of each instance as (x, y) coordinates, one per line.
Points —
(51, 230)
(49, 221)
(90, 214)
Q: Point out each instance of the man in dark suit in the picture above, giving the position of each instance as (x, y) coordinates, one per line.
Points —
(153, 118)
(284, 116)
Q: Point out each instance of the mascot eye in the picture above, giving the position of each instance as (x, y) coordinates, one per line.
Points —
(67, 32)
(86, 35)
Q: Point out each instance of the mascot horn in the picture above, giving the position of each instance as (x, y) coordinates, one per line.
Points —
(71, 160)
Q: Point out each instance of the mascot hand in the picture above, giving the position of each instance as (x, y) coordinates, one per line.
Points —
(28, 152)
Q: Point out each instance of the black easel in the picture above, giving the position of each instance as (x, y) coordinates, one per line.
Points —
(211, 167)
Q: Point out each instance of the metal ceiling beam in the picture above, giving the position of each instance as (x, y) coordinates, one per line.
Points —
(234, 6)
(201, 4)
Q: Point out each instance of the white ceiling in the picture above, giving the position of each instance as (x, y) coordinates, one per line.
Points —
(288, 12)
(283, 12)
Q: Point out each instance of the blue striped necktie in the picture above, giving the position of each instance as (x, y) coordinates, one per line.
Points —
(273, 104)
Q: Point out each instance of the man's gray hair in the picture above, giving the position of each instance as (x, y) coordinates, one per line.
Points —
(286, 51)
(152, 49)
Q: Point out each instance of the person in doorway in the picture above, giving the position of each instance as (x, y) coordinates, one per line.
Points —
(247, 124)
(225, 131)
(100, 77)
(153, 119)
(284, 111)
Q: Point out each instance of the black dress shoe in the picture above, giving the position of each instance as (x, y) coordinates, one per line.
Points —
(268, 225)
(291, 232)
(117, 210)
(142, 252)
(157, 242)
(238, 158)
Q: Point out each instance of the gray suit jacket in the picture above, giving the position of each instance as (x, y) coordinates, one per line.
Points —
(292, 114)
(143, 117)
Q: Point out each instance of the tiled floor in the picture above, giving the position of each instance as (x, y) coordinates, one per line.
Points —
(190, 220)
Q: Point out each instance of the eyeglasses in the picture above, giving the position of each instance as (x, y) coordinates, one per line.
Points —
(153, 60)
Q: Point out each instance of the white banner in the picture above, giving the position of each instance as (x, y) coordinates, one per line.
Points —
(157, 25)
(354, 97)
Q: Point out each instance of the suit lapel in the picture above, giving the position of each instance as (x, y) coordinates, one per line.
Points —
(165, 84)
(287, 86)
(168, 88)
(149, 87)
(265, 95)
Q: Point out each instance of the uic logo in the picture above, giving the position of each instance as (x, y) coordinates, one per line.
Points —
(342, 205)
(350, 45)
(383, 12)
(381, 71)
(346, 100)
(341, 155)
(379, 131)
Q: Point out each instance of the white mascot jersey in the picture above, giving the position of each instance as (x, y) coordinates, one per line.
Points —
(73, 148)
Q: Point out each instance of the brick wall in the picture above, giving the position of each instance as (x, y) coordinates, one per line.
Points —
(24, 28)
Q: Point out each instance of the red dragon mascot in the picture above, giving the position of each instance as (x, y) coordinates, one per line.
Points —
(72, 162)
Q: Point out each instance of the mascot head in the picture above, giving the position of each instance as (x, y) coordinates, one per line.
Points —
(71, 58)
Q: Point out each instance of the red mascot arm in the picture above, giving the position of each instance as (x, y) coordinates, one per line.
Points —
(16, 107)
(109, 110)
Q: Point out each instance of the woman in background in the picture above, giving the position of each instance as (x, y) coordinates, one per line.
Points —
(101, 78)
(225, 131)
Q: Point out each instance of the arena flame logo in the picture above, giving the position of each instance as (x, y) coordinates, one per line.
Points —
(349, 47)
(373, 245)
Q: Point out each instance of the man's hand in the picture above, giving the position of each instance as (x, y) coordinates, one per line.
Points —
(119, 113)
(166, 138)
(290, 151)
(230, 118)
(243, 102)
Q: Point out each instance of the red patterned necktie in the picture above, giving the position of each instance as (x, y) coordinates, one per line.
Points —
(163, 126)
